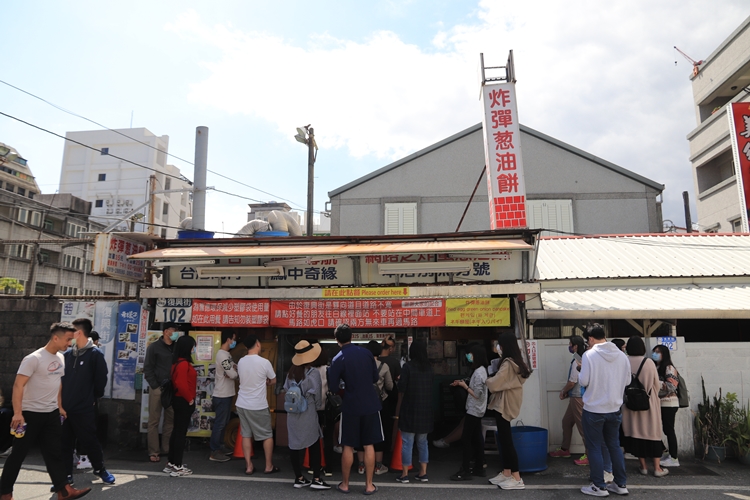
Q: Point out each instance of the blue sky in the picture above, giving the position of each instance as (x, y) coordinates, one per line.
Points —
(378, 80)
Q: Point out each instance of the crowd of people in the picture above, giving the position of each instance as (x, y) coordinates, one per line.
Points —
(363, 401)
(597, 377)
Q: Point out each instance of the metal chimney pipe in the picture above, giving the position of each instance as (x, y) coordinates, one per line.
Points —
(199, 178)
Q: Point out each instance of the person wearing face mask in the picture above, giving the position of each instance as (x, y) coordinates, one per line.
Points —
(476, 405)
(156, 369)
(184, 382)
(224, 390)
(668, 401)
(574, 393)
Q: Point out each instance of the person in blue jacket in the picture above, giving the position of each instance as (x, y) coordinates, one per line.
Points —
(83, 383)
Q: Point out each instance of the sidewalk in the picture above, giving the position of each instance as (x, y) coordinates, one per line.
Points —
(443, 463)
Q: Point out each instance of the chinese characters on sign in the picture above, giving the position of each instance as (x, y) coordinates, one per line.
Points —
(362, 293)
(357, 313)
(739, 123)
(111, 257)
(477, 312)
(230, 313)
(502, 150)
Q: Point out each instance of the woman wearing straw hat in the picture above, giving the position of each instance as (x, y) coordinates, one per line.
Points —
(303, 427)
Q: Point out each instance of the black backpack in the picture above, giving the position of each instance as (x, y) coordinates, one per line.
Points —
(636, 398)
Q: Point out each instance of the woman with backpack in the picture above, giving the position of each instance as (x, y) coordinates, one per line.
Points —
(304, 384)
(573, 392)
(642, 428)
(184, 381)
(414, 410)
(383, 387)
(669, 379)
(476, 406)
(506, 387)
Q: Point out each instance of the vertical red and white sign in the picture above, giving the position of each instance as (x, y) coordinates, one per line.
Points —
(502, 153)
(739, 124)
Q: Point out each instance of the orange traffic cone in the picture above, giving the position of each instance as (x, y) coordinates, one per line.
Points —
(238, 453)
(306, 461)
(396, 453)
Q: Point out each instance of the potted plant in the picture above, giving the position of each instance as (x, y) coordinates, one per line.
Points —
(713, 423)
(740, 433)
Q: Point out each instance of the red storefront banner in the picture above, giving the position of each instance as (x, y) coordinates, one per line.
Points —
(231, 313)
(739, 122)
(357, 313)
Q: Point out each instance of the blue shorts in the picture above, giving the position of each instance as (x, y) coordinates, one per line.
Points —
(360, 430)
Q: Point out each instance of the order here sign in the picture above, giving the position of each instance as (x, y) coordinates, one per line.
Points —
(477, 312)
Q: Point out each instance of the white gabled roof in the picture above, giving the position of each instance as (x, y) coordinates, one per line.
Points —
(643, 256)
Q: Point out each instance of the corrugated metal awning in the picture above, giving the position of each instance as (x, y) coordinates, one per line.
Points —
(646, 302)
(337, 249)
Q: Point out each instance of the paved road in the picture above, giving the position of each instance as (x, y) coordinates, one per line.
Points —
(34, 484)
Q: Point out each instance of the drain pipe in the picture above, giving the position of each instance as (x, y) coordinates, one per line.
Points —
(199, 179)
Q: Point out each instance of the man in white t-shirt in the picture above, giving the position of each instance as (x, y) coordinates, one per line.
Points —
(221, 398)
(36, 407)
(256, 373)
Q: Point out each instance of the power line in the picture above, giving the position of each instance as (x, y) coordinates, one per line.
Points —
(152, 147)
(90, 147)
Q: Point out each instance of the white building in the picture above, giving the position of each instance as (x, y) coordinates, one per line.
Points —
(116, 187)
(721, 79)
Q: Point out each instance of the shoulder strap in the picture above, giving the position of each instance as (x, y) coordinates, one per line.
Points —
(380, 366)
(640, 367)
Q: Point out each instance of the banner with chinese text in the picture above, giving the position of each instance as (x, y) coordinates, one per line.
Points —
(357, 313)
(207, 344)
(502, 152)
(477, 312)
(126, 342)
(111, 253)
(230, 313)
(365, 293)
(739, 124)
(105, 322)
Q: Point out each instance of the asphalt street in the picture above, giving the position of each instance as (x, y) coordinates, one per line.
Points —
(136, 478)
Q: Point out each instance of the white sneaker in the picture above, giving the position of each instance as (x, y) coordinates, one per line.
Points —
(620, 490)
(7, 452)
(500, 478)
(338, 449)
(512, 484)
(594, 491)
(670, 462)
(608, 477)
(629, 456)
(180, 471)
(440, 443)
(84, 463)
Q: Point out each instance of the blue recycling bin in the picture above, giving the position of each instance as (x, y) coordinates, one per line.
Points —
(531, 446)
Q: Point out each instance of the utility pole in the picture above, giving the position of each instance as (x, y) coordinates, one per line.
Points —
(152, 200)
(310, 179)
(688, 220)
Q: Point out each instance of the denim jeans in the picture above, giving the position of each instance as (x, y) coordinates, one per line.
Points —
(222, 408)
(407, 445)
(602, 430)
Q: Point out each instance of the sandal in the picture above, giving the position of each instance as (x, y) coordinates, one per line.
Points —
(154, 458)
(272, 471)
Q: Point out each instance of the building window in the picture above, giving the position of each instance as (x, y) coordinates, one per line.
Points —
(49, 225)
(73, 262)
(9, 187)
(43, 257)
(22, 191)
(74, 230)
(102, 177)
(31, 195)
(554, 216)
(20, 251)
(36, 219)
(105, 151)
(23, 215)
(165, 209)
(736, 225)
(68, 290)
(99, 203)
(400, 218)
(167, 184)
(164, 233)
(182, 215)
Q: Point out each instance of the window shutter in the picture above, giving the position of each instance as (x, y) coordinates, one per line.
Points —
(555, 215)
(400, 218)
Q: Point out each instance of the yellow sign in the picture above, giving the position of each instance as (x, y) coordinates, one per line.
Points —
(365, 293)
(477, 312)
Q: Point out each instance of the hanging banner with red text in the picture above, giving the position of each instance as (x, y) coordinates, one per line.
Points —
(357, 313)
(230, 313)
(502, 156)
(739, 124)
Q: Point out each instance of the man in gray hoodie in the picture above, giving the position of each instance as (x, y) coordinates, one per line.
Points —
(605, 371)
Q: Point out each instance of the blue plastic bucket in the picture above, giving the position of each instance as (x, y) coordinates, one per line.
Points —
(531, 446)
(269, 234)
(189, 234)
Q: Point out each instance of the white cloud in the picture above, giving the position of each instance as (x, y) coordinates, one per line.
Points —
(602, 78)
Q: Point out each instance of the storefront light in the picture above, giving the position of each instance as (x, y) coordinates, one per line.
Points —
(424, 268)
(239, 271)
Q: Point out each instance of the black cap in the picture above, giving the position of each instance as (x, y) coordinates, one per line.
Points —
(167, 326)
(94, 335)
